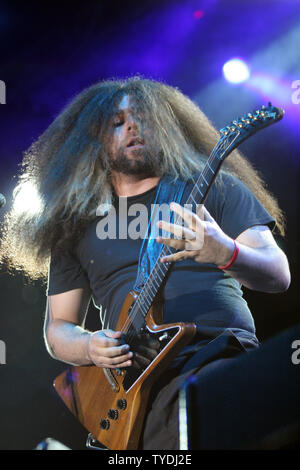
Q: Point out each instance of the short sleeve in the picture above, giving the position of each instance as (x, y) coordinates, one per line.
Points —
(237, 208)
(65, 274)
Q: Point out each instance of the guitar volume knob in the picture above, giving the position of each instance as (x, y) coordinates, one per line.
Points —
(104, 424)
(113, 414)
(121, 404)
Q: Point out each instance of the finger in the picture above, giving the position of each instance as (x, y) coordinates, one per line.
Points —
(116, 365)
(113, 361)
(112, 333)
(112, 338)
(207, 215)
(179, 256)
(192, 220)
(183, 245)
(121, 359)
(99, 341)
(173, 243)
(177, 230)
(109, 338)
(114, 351)
(184, 213)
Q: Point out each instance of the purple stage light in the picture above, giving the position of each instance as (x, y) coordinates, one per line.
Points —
(198, 14)
(271, 88)
(236, 71)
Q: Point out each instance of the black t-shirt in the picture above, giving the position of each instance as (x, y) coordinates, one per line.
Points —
(193, 291)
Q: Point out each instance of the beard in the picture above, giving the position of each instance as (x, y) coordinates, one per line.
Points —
(143, 163)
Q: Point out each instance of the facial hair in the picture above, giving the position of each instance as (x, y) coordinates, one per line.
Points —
(145, 163)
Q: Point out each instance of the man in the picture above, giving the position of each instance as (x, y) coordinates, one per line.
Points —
(119, 140)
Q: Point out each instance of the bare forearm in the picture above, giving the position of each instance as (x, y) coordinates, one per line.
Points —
(68, 342)
(263, 269)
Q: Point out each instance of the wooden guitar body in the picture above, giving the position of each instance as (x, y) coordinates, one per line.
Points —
(111, 403)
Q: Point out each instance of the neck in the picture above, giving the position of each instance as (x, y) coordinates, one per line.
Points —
(132, 185)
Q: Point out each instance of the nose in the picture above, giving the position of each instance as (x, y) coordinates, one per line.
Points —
(131, 124)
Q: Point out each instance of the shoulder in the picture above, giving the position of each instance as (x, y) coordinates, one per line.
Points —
(226, 182)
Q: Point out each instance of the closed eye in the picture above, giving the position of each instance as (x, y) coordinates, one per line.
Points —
(118, 123)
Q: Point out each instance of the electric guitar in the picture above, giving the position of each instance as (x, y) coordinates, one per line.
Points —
(111, 403)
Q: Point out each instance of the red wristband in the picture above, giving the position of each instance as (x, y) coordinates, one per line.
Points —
(233, 258)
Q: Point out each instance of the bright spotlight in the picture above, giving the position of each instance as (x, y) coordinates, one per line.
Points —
(236, 71)
(27, 199)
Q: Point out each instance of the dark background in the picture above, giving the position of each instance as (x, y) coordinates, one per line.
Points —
(50, 52)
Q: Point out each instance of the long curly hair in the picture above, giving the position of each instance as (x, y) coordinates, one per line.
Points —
(68, 167)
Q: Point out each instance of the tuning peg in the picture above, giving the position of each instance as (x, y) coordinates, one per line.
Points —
(237, 123)
(224, 131)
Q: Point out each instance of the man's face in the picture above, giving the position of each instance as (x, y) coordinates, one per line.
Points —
(130, 146)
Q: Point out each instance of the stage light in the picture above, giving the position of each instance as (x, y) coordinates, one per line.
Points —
(27, 199)
(270, 87)
(198, 14)
(236, 71)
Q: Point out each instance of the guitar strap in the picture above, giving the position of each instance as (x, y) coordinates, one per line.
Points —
(168, 191)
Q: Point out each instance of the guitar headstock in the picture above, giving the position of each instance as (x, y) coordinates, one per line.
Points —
(242, 128)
